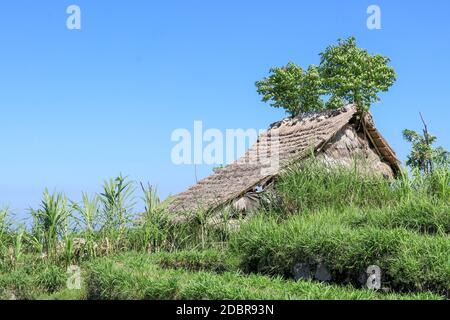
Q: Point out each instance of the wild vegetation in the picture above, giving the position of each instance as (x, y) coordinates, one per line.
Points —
(316, 215)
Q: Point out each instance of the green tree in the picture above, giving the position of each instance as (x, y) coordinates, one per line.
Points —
(292, 88)
(353, 75)
(346, 74)
(423, 156)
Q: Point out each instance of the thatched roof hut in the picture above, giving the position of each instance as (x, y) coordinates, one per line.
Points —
(333, 136)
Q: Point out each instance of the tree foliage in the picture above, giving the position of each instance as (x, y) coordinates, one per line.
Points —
(346, 74)
(292, 88)
(354, 75)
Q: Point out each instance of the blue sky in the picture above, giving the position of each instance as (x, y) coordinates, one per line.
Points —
(79, 106)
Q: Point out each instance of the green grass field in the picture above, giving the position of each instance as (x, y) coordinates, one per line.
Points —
(337, 219)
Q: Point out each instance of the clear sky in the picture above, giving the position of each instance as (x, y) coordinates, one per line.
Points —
(79, 106)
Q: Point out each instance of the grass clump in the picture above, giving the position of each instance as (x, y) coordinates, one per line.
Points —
(110, 279)
(425, 216)
(30, 282)
(51, 279)
(312, 186)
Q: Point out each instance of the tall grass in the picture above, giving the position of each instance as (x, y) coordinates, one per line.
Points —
(118, 202)
(18, 245)
(51, 221)
(422, 215)
(6, 236)
(88, 222)
(5, 227)
(154, 221)
(313, 186)
(104, 224)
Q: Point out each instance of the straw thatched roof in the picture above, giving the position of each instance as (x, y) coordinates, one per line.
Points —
(285, 142)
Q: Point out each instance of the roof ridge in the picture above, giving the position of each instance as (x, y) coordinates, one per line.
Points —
(312, 115)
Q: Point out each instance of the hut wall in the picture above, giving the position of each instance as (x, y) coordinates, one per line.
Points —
(348, 146)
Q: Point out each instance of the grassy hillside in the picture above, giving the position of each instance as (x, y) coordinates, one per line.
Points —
(339, 220)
